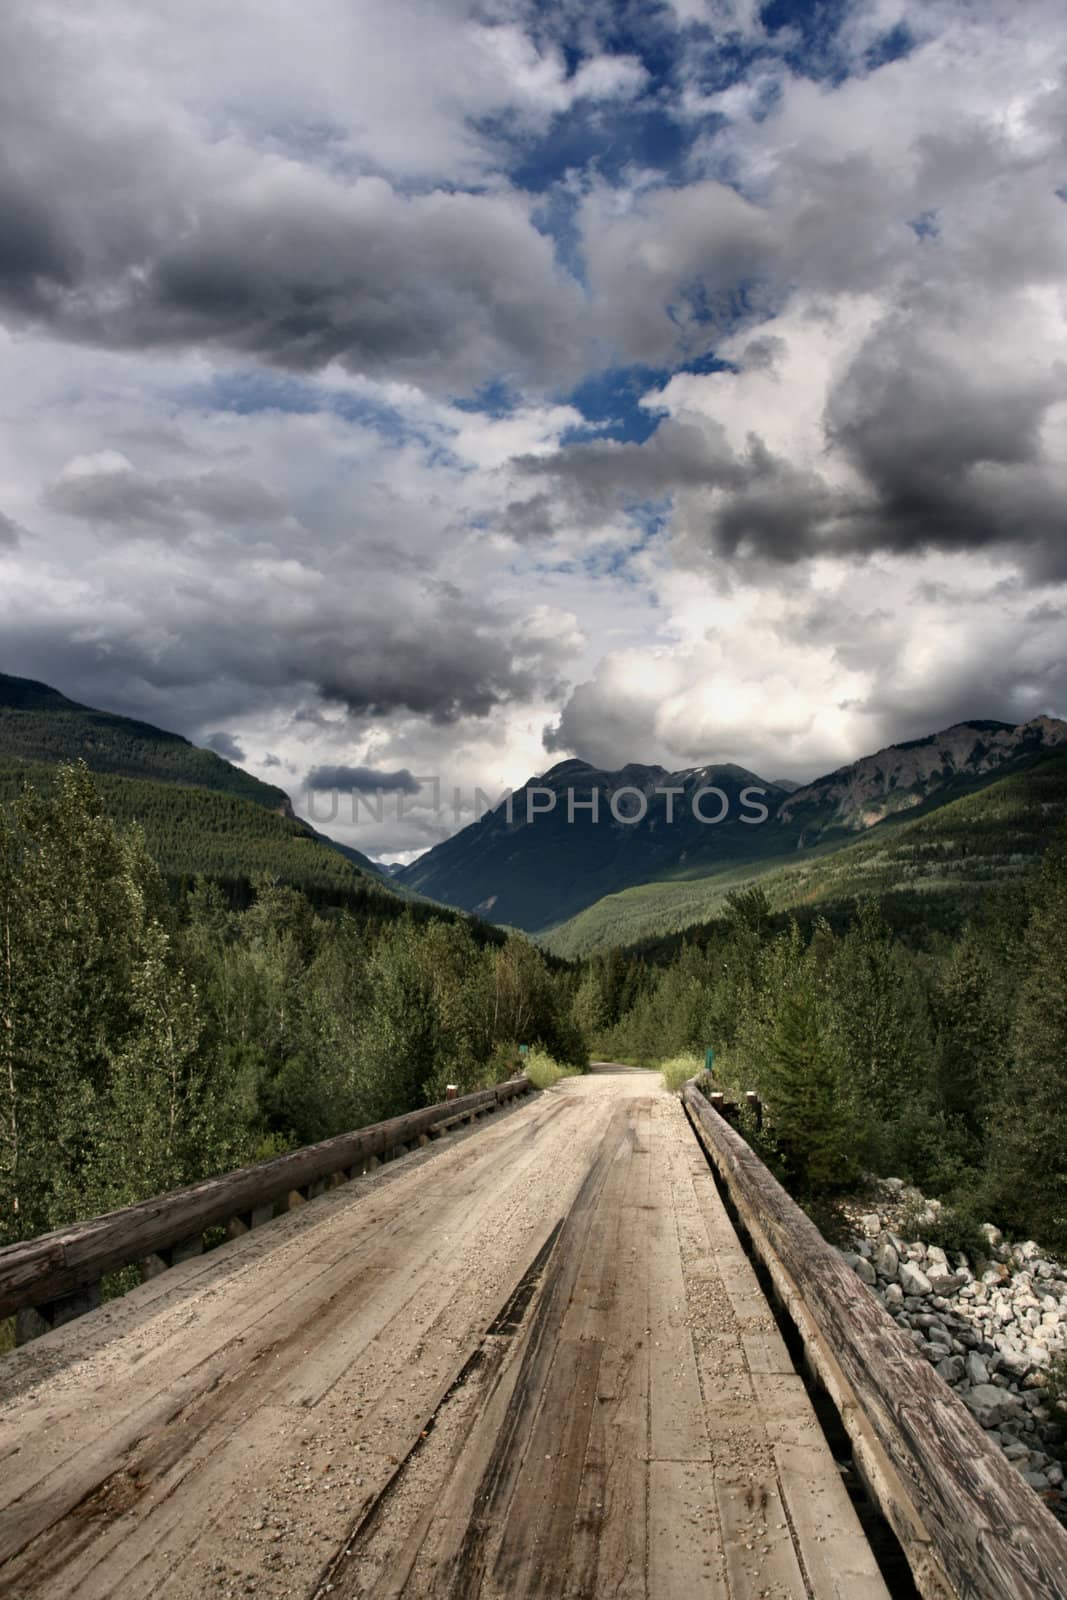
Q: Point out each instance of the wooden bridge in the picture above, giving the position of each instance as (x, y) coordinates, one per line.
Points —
(515, 1345)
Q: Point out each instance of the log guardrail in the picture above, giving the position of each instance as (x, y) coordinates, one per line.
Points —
(57, 1276)
(969, 1526)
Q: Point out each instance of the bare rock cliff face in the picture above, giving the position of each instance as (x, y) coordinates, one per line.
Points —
(901, 777)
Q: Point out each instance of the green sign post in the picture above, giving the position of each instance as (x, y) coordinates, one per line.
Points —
(709, 1057)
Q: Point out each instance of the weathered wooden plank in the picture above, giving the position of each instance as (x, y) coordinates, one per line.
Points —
(608, 1542)
(991, 1535)
(685, 1553)
(39, 1271)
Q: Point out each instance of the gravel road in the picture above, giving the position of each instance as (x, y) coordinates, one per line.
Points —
(531, 1360)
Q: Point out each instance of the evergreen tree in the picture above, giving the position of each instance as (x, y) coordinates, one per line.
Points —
(798, 1069)
(1028, 1128)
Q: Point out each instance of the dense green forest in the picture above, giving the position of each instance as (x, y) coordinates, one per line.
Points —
(154, 1030)
(37, 723)
(149, 1037)
(941, 1059)
(193, 832)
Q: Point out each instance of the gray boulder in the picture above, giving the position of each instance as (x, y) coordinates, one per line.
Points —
(913, 1280)
(989, 1405)
(947, 1283)
(977, 1371)
(886, 1259)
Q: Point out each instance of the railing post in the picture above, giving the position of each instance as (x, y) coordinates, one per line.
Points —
(32, 1321)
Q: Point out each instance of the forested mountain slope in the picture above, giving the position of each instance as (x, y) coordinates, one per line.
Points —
(200, 813)
(559, 846)
(929, 866)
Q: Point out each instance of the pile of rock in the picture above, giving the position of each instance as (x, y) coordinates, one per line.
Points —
(990, 1327)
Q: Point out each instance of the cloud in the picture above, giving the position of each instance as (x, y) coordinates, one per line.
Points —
(362, 780)
(10, 533)
(136, 227)
(795, 677)
(106, 489)
(305, 348)
(225, 745)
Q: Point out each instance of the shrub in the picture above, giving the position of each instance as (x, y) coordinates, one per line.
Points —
(543, 1071)
(678, 1070)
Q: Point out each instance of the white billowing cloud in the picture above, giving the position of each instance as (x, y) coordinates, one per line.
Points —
(537, 80)
(659, 257)
(792, 679)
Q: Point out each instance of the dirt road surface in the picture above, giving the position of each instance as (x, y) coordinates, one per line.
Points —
(531, 1361)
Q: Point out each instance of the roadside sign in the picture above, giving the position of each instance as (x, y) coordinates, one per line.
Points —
(709, 1057)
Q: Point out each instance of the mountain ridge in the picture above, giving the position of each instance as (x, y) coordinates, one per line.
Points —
(527, 863)
(41, 727)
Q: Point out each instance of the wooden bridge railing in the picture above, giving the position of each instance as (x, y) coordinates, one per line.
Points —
(968, 1524)
(57, 1276)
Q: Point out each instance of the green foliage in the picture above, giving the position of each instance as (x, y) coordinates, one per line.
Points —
(543, 1071)
(39, 724)
(944, 1064)
(954, 1228)
(1027, 1126)
(146, 1042)
(103, 1090)
(193, 832)
(930, 871)
(796, 1062)
(677, 1072)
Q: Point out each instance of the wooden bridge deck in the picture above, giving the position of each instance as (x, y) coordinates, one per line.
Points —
(531, 1361)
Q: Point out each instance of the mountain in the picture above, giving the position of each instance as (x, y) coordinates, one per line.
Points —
(928, 870)
(542, 859)
(200, 813)
(544, 854)
(902, 777)
(37, 723)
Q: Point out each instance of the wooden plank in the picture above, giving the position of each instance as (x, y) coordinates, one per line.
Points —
(677, 1429)
(992, 1537)
(834, 1551)
(608, 1542)
(55, 1265)
(742, 1503)
(761, 1558)
(685, 1554)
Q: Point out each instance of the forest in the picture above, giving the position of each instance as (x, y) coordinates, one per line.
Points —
(154, 1031)
(149, 1037)
(940, 1058)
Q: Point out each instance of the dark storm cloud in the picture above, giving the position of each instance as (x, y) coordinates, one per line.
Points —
(10, 533)
(948, 453)
(36, 261)
(950, 449)
(763, 505)
(435, 668)
(588, 481)
(188, 660)
(362, 780)
(127, 225)
(224, 744)
(110, 492)
(445, 284)
(176, 248)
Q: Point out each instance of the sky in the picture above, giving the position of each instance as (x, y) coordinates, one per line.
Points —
(414, 387)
